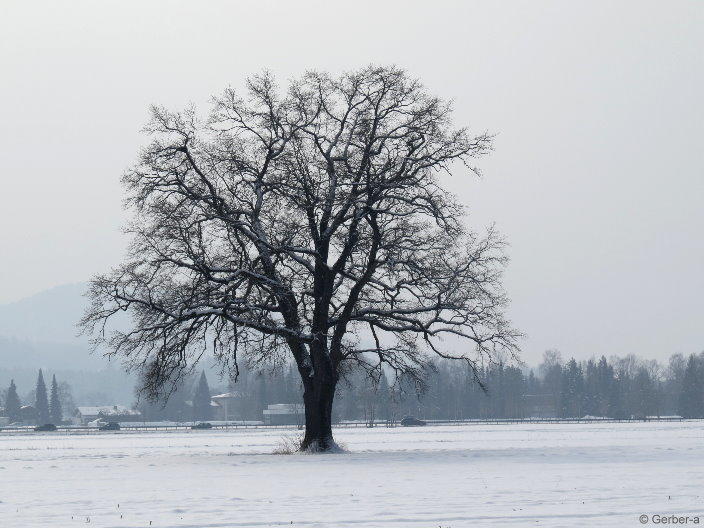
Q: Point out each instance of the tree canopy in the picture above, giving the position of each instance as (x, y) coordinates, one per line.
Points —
(309, 223)
(41, 403)
(55, 411)
(12, 403)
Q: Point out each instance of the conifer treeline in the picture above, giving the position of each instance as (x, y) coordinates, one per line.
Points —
(44, 409)
(614, 388)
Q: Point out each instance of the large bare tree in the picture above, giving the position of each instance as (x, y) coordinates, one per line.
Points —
(311, 225)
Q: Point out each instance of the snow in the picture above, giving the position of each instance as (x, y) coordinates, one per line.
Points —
(594, 474)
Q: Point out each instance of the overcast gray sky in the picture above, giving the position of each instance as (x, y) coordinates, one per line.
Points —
(597, 179)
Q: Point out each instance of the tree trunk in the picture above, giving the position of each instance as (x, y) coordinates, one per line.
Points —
(318, 395)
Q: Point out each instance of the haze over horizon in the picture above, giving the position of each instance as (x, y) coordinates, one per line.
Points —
(596, 181)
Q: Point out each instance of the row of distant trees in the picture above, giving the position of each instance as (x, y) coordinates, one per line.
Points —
(624, 387)
(46, 408)
(619, 387)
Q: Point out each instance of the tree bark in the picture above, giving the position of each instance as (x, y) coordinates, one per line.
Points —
(318, 395)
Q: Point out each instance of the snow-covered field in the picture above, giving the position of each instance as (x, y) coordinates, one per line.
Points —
(449, 476)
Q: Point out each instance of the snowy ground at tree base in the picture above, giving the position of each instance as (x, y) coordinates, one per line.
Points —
(436, 476)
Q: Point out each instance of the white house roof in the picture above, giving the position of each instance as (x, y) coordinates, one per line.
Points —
(227, 396)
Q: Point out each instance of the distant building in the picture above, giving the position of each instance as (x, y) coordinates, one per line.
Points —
(284, 414)
(108, 413)
(228, 406)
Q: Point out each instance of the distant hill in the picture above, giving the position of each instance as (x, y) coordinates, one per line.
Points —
(50, 315)
(40, 331)
(21, 353)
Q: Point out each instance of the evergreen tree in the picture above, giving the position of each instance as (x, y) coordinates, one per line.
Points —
(41, 404)
(644, 393)
(383, 398)
(532, 384)
(551, 369)
(515, 388)
(673, 383)
(591, 389)
(606, 385)
(12, 403)
(615, 396)
(55, 410)
(201, 400)
(572, 393)
(690, 400)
